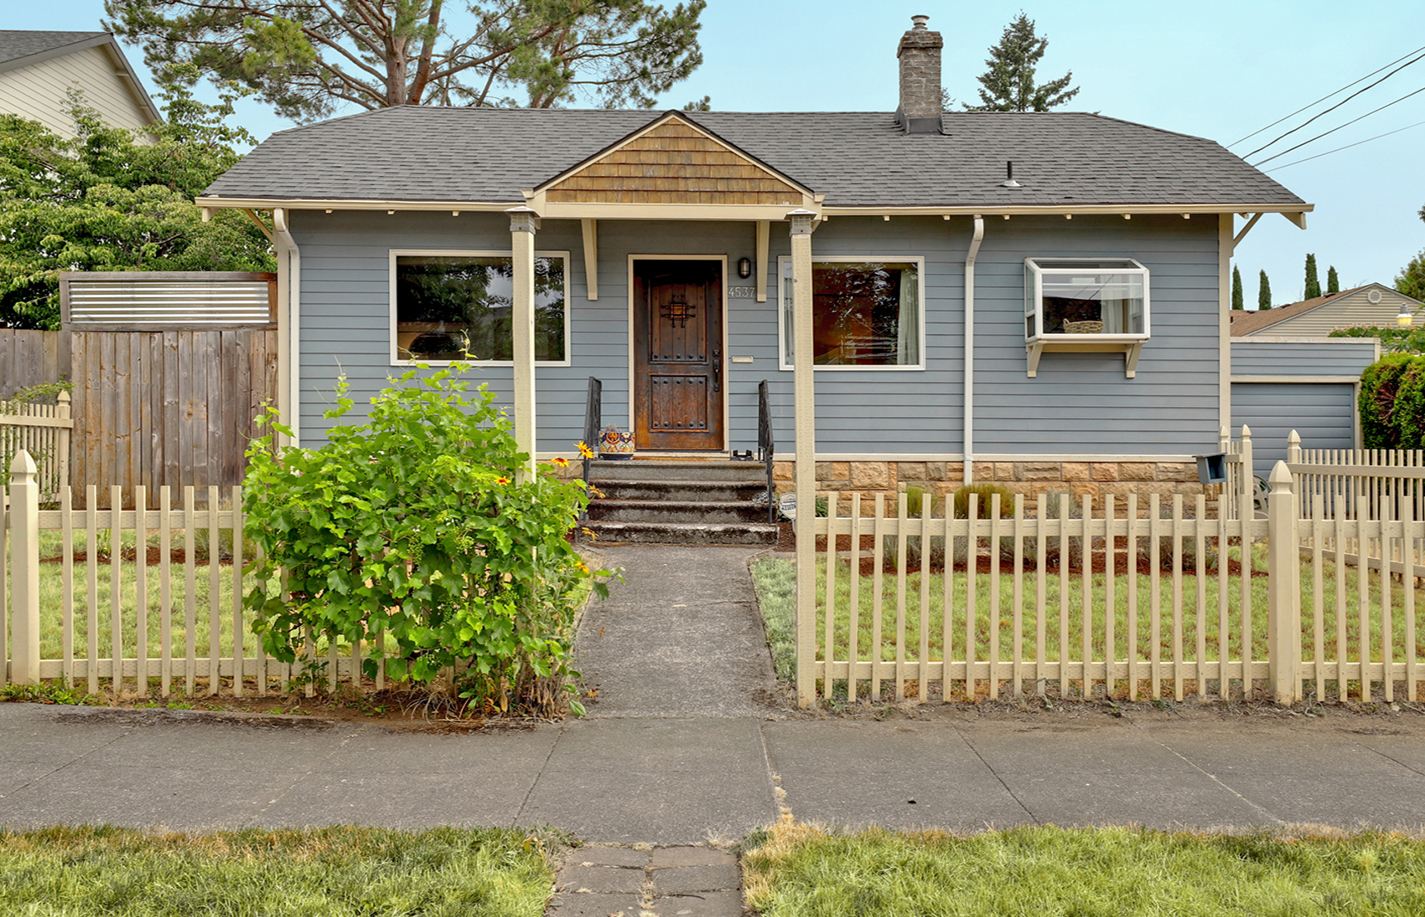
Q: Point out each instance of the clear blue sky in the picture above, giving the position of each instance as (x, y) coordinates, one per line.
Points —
(1214, 68)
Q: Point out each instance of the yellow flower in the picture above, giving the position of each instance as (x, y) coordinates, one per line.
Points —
(589, 533)
(583, 568)
(561, 461)
(502, 480)
(584, 450)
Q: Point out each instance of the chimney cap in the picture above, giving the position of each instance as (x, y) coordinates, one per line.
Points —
(918, 22)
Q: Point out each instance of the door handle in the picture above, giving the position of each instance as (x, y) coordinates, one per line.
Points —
(717, 370)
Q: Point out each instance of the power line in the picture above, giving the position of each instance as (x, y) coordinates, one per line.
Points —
(1347, 146)
(1324, 98)
(1337, 128)
(1336, 106)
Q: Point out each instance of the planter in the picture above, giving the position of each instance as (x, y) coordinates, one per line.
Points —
(615, 445)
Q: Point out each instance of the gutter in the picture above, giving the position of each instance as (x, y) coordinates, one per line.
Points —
(969, 435)
(289, 282)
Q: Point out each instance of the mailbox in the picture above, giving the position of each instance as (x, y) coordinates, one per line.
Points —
(1212, 469)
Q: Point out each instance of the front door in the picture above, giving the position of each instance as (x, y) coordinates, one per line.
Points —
(677, 368)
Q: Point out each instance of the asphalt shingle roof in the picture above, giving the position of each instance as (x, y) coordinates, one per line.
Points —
(15, 44)
(854, 158)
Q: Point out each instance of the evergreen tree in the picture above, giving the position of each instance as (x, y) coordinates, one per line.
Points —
(1264, 293)
(1411, 279)
(1009, 83)
(1237, 289)
(1333, 283)
(1313, 286)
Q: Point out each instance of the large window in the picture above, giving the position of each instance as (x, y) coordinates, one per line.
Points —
(456, 306)
(865, 313)
(1085, 296)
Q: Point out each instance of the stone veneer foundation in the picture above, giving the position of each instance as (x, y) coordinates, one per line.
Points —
(1028, 477)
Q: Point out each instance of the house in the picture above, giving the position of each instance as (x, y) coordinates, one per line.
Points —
(1034, 298)
(38, 70)
(1370, 304)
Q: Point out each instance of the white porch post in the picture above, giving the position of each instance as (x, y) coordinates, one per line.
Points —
(803, 223)
(523, 224)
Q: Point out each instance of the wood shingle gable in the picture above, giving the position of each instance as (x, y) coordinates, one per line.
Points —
(674, 161)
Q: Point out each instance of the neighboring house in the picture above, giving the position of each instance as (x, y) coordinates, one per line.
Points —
(1066, 327)
(38, 69)
(1373, 304)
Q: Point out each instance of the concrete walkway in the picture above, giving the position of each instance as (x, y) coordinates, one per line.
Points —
(686, 743)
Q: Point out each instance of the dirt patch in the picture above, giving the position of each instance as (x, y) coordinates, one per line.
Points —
(152, 556)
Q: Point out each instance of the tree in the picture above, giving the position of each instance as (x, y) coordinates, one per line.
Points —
(1313, 286)
(308, 57)
(1411, 279)
(1009, 83)
(1333, 283)
(1237, 288)
(102, 202)
(1264, 293)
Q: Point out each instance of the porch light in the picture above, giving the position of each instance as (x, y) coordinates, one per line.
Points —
(1403, 319)
(744, 268)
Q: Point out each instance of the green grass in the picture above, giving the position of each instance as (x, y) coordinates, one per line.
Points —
(775, 579)
(1037, 871)
(332, 872)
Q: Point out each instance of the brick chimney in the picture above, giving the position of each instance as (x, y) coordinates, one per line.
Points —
(919, 56)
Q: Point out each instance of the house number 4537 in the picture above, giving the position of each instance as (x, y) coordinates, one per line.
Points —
(741, 292)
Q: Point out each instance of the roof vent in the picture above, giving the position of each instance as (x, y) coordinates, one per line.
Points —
(1373, 297)
(1009, 181)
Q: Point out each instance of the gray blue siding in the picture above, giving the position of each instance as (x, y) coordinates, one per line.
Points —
(1323, 414)
(1337, 357)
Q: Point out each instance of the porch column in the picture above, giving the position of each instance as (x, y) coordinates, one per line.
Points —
(523, 224)
(803, 223)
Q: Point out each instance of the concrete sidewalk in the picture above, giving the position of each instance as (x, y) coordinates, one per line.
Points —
(685, 743)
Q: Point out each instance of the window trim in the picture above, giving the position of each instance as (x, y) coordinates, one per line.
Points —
(393, 253)
(1032, 268)
(918, 260)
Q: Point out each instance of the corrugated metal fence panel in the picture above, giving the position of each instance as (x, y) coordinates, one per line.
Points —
(176, 303)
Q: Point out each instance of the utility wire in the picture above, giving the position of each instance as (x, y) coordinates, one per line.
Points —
(1336, 106)
(1337, 128)
(1347, 146)
(1323, 98)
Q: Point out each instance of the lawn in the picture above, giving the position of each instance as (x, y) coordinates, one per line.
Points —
(775, 579)
(333, 872)
(796, 871)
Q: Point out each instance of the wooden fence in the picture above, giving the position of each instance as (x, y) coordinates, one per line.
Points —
(155, 408)
(31, 358)
(1107, 601)
(43, 431)
(91, 609)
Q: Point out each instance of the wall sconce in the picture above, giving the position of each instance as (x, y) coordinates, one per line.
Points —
(1403, 319)
(744, 268)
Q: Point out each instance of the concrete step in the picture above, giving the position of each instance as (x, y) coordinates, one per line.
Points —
(681, 491)
(677, 511)
(682, 533)
(677, 470)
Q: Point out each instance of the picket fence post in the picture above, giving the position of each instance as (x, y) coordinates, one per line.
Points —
(24, 571)
(1283, 617)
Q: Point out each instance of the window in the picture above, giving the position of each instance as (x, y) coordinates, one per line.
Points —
(456, 306)
(1089, 296)
(865, 313)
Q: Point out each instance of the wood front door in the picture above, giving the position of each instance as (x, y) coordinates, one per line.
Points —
(677, 368)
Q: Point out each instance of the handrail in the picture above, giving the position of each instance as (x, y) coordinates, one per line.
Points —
(764, 445)
(593, 419)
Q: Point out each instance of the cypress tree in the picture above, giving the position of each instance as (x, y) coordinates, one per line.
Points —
(1333, 283)
(1237, 289)
(1264, 293)
(1313, 286)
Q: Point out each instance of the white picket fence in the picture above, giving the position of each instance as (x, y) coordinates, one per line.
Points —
(42, 430)
(127, 623)
(1176, 616)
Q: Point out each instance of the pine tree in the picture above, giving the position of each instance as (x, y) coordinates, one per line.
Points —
(1009, 83)
(1333, 283)
(1264, 293)
(1313, 286)
(1237, 289)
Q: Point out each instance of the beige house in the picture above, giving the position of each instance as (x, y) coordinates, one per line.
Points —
(1373, 304)
(37, 70)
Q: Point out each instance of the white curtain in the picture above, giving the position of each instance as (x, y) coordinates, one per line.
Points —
(1111, 310)
(908, 324)
(788, 313)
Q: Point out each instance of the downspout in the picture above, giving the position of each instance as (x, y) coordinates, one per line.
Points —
(289, 269)
(969, 436)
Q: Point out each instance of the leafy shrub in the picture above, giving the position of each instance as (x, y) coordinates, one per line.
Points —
(1392, 340)
(415, 534)
(1380, 384)
(960, 500)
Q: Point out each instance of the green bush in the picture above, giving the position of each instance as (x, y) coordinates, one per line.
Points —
(960, 500)
(1380, 385)
(415, 534)
(1392, 340)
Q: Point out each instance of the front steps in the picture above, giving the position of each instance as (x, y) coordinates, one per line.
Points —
(680, 502)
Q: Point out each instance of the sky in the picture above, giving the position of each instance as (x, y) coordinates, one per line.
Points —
(1220, 69)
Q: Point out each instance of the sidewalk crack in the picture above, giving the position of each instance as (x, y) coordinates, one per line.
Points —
(519, 813)
(70, 763)
(311, 769)
(1213, 777)
(781, 806)
(1012, 795)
